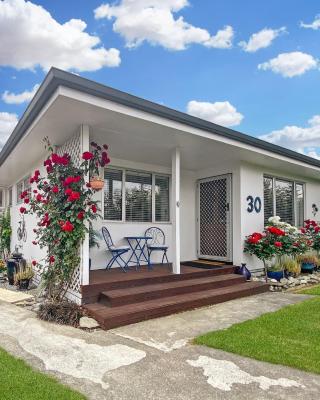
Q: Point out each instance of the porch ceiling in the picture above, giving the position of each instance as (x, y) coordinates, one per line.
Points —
(138, 139)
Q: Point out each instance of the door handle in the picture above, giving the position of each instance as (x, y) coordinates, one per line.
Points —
(227, 207)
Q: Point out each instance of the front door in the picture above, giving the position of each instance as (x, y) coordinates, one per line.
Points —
(214, 218)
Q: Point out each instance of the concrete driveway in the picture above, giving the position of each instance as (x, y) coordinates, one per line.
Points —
(154, 359)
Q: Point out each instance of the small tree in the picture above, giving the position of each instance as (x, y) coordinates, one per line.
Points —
(5, 234)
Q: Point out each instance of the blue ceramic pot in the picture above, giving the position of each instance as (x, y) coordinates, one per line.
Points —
(275, 275)
(307, 267)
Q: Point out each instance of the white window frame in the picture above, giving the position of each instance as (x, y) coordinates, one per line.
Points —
(295, 183)
(153, 197)
(22, 181)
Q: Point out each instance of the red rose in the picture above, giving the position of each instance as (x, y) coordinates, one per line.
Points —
(55, 189)
(278, 244)
(22, 210)
(34, 242)
(38, 197)
(303, 230)
(88, 184)
(34, 263)
(94, 208)
(80, 215)
(36, 173)
(51, 259)
(47, 162)
(87, 155)
(276, 231)
(49, 169)
(68, 191)
(35, 191)
(31, 180)
(77, 179)
(55, 158)
(105, 146)
(67, 226)
(27, 200)
(317, 229)
(75, 195)
(68, 181)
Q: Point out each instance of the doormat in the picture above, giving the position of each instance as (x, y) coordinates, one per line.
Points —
(206, 264)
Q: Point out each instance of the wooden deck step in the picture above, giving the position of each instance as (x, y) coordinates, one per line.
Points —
(111, 317)
(138, 294)
(112, 280)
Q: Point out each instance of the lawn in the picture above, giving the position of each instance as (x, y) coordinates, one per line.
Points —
(314, 290)
(19, 381)
(289, 337)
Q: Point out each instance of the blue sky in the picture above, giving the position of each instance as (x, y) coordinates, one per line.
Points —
(183, 54)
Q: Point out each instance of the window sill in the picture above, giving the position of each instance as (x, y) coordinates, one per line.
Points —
(105, 221)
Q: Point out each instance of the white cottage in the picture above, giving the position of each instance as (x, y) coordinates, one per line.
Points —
(204, 185)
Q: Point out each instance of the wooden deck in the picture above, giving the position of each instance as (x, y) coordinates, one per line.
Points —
(115, 298)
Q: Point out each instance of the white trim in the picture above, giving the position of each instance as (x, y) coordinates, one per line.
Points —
(85, 250)
(176, 210)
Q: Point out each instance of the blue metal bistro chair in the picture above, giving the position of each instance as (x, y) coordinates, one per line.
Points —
(157, 243)
(116, 251)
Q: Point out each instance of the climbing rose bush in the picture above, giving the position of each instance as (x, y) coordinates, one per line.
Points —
(62, 202)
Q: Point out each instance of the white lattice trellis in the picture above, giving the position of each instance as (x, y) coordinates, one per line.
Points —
(74, 148)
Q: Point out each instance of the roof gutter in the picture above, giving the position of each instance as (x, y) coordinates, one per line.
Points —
(57, 77)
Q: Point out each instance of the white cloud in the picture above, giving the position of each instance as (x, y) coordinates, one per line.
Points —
(7, 123)
(154, 21)
(305, 140)
(31, 37)
(290, 64)
(314, 25)
(261, 39)
(19, 98)
(220, 112)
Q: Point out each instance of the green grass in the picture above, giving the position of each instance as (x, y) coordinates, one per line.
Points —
(290, 336)
(314, 290)
(20, 382)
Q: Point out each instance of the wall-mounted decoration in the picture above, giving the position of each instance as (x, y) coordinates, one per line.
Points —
(22, 230)
(314, 209)
(254, 204)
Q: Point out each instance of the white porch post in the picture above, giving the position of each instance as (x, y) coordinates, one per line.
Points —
(175, 195)
(85, 146)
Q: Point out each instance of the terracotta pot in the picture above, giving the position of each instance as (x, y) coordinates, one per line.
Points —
(96, 183)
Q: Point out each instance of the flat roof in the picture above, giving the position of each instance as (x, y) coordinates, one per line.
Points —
(57, 77)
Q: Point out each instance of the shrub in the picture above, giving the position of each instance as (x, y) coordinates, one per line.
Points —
(63, 313)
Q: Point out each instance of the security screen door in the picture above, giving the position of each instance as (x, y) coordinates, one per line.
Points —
(214, 218)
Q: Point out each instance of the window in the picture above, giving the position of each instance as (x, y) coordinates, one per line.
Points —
(138, 195)
(284, 198)
(23, 185)
(135, 196)
(162, 198)
(10, 197)
(113, 195)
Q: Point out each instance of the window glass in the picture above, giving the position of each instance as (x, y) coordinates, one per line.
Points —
(268, 198)
(113, 194)
(162, 198)
(299, 205)
(138, 191)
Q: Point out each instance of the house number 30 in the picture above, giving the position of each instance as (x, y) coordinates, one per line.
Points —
(254, 204)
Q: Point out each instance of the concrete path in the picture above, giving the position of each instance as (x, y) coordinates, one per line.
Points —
(154, 359)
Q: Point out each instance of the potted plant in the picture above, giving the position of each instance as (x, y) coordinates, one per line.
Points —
(308, 262)
(291, 266)
(97, 153)
(2, 268)
(276, 271)
(23, 277)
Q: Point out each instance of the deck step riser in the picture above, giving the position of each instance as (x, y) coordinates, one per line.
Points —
(91, 293)
(126, 319)
(150, 294)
